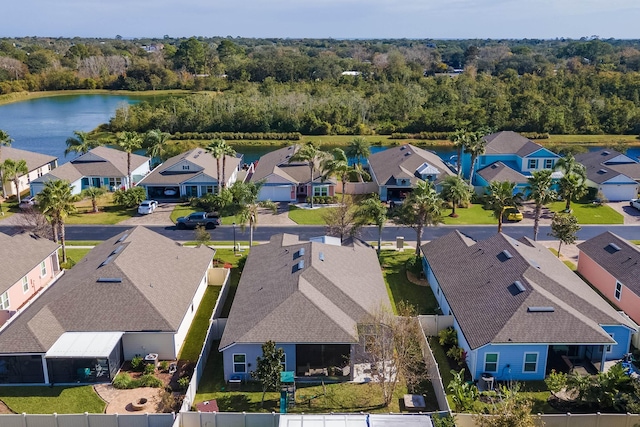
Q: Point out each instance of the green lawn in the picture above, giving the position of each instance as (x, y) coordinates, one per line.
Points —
(307, 216)
(47, 400)
(8, 208)
(198, 330)
(400, 288)
(73, 256)
(474, 214)
(589, 213)
(181, 210)
(83, 242)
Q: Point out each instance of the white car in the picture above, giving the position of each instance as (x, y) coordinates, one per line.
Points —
(147, 207)
(28, 202)
(635, 203)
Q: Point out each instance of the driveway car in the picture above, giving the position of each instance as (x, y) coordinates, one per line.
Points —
(511, 213)
(147, 207)
(635, 203)
(27, 202)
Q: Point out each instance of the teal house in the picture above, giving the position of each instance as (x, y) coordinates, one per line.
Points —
(519, 311)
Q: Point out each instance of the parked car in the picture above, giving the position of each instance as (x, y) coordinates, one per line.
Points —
(27, 202)
(511, 213)
(147, 207)
(635, 203)
(209, 220)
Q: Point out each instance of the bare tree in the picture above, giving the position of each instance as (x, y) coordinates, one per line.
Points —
(342, 221)
(34, 222)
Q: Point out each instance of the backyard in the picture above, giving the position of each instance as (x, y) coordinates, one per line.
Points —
(47, 400)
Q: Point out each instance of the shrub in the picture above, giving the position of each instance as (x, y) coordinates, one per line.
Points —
(123, 381)
(183, 383)
(448, 337)
(457, 354)
(129, 198)
(137, 363)
(149, 369)
(164, 366)
(148, 380)
(413, 265)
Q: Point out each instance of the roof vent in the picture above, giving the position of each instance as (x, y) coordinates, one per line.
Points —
(118, 250)
(518, 284)
(300, 264)
(534, 263)
(299, 253)
(321, 256)
(541, 309)
(106, 261)
(606, 153)
(602, 171)
(504, 255)
(123, 238)
(612, 248)
(110, 280)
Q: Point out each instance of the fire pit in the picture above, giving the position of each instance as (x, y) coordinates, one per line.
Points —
(139, 404)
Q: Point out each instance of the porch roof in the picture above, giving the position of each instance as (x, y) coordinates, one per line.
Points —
(84, 344)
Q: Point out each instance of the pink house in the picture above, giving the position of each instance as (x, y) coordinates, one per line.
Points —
(612, 265)
(28, 265)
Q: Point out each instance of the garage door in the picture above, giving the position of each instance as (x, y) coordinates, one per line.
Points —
(617, 193)
(281, 193)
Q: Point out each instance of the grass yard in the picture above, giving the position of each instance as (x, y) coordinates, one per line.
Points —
(400, 288)
(83, 242)
(589, 213)
(73, 256)
(109, 213)
(474, 214)
(198, 331)
(227, 255)
(308, 216)
(47, 400)
(569, 264)
(8, 208)
(181, 210)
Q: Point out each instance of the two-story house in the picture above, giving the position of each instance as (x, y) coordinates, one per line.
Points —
(37, 165)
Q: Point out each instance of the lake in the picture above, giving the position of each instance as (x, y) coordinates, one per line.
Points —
(44, 124)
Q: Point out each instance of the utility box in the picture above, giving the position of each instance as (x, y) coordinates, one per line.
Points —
(399, 243)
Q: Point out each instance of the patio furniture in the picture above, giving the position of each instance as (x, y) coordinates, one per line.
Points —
(235, 381)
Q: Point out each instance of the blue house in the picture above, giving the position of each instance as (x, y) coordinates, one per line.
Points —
(510, 156)
(518, 310)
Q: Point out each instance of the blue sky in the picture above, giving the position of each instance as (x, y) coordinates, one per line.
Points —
(323, 18)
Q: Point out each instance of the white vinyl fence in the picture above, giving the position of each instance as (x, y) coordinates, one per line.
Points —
(87, 420)
(434, 375)
(570, 420)
(432, 324)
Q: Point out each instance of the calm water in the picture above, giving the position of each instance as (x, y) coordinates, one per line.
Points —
(44, 124)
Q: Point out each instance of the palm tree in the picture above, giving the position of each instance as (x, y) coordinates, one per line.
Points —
(359, 148)
(456, 191)
(249, 214)
(500, 195)
(422, 208)
(540, 192)
(216, 149)
(573, 182)
(5, 140)
(337, 165)
(459, 139)
(156, 142)
(129, 142)
(93, 193)
(56, 203)
(476, 146)
(227, 150)
(12, 170)
(81, 144)
(311, 155)
(373, 210)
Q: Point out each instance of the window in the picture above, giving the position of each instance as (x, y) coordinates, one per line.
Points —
(609, 347)
(530, 362)
(533, 163)
(548, 163)
(283, 361)
(320, 191)
(115, 182)
(43, 269)
(25, 284)
(208, 189)
(618, 290)
(239, 363)
(185, 167)
(4, 301)
(491, 362)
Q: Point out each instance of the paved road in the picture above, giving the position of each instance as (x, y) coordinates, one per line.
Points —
(263, 233)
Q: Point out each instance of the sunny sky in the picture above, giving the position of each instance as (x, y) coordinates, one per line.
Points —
(323, 18)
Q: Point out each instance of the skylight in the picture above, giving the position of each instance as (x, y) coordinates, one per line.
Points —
(106, 261)
(118, 250)
(123, 238)
(518, 284)
(110, 280)
(541, 309)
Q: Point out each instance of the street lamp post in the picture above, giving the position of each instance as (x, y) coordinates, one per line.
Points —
(234, 238)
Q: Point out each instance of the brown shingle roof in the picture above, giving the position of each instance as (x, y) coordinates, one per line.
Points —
(34, 160)
(19, 254)
(338, 287)
(159, 281)
(277, 163)
(402, 162)
(489, 307)
(622, 263)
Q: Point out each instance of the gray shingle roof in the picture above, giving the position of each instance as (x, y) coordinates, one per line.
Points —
(204, 164)
(159, 281)
(338, 287)
(277, 162)
(33, 160)
(19, 254)
(402, 162)
(498, 171)
(490, 309)
(508, 142)
(622, 263)
(601, 168)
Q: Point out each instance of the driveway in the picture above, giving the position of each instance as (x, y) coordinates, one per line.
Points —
(281, 217)
(161, 216)
(631, 215)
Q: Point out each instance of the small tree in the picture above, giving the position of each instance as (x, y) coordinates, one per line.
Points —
(373, 210)
(12, 170)
(268, 368)
(511, 411)
(342, 221)
(202, 236)
(564, 227)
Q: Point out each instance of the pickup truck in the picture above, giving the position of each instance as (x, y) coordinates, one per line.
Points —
(635, 203)
(209, 220)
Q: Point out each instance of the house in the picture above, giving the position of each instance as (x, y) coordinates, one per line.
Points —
(190, 174)
(518, 310)
(287, 182)
(99, 167)
(613, 174)
(307, 297)
(29, 265)
(397, 170)
(135, 294)
(510, 156)
(37, 164)
(612, 265)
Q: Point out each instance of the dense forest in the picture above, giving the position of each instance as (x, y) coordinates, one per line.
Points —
(326, 86)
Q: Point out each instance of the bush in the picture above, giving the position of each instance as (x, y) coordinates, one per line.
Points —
(129, 198)
(183, 383)
(148, 380)
(149, 369)
(448, 337)
(137, 363)
(164, 366)
(413, 265)
(123, 381)
(458, 354)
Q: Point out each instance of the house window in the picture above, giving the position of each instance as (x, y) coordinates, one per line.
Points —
(239, 363)
(530, 362)
(618, 290)
(43, 269)
(609, 347)
(283, 361)
(185, 167)
(208, 189)
(25, 284)
(320, 191)
(548, 163)
(4, 301)
(115, 183)
(533, 163)
(491, 362)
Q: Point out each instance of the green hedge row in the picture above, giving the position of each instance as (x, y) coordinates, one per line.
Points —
(236, 136)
